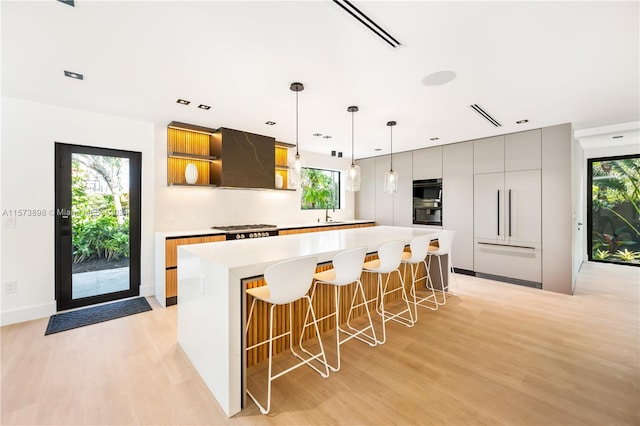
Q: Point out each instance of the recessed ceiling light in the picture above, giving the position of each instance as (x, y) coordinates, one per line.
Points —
(270, 123)
(75, 75)
(326, 137)
(183, 102)
(205, 107)
(618, 136)
(434, 139)
(317, 134)
(522, 121)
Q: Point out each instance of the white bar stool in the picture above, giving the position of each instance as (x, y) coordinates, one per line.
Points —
(389, 258)
(418, 255)
(445, 241)
(347, 268)
(287, 282)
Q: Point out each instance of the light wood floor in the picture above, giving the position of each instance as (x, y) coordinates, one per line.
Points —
(498, 354)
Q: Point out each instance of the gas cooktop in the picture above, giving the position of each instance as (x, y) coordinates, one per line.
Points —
(245, 228)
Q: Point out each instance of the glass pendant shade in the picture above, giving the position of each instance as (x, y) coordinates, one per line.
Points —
(391, 177)
(353, 178)
(295, 172)
(391, 182)
(353, 174)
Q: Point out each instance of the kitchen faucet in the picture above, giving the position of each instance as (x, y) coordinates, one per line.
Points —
(326, 213)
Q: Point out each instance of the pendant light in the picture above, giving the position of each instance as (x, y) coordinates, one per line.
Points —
(353, 175)
(295, 167)
(391, 177)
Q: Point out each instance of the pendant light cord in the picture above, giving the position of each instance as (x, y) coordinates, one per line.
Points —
(352, 157)
(391, 148)
(297, 153)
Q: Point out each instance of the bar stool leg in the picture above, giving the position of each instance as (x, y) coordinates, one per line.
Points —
(371, 339)
(312, 357)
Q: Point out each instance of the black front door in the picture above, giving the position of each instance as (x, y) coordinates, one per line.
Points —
(97, 226)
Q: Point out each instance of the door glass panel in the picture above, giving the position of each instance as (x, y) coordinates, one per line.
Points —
(615, 210)
(100, 224)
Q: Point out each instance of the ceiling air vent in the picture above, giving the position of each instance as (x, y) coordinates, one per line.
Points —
(367, 22)
(477, 108)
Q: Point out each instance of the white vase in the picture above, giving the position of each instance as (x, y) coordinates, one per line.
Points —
(279, 181)
(191, 173)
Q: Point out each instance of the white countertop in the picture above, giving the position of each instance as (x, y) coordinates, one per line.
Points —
(250, 257)
(214, 231)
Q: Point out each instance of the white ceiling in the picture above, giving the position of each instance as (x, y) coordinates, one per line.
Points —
(548, 62)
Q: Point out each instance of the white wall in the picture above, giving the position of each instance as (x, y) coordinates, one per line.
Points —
(182, 209)
(29, 131)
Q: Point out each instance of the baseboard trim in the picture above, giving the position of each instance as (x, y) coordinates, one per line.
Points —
(28, 314)
(509, 280)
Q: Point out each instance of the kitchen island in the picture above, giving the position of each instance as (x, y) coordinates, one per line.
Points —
(211, 284)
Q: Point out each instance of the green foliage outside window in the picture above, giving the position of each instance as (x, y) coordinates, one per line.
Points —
(615, 203)
(100, 221)
(320, 189)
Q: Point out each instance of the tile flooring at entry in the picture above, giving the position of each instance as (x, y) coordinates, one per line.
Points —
(498, 354)
(103, 281)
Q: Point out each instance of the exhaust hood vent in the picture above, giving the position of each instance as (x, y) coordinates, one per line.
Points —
(367, 22)
(477, 108)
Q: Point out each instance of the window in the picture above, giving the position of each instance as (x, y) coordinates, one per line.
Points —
(614, 213)
(320, 189)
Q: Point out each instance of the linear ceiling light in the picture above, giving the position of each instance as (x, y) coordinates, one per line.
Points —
(477, 108)
(367, 22)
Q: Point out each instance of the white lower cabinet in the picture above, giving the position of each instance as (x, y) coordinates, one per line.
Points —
(507, 225)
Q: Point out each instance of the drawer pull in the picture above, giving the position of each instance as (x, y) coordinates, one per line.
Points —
(507, 245)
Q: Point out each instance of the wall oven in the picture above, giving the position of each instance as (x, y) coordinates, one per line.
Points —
(427, 202)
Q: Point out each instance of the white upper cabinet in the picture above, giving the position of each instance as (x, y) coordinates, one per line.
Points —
(523, 151)
(488, 155)
(403, 199)
(383, 201)
(365, 199)
(516, 151)
(427, 163)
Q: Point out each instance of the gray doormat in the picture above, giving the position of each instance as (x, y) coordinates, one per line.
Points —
(96, 314)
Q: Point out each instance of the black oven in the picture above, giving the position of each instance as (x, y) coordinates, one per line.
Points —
(427, 202)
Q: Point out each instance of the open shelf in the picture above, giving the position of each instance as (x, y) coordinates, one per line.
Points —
(205, 185)
(188, 156)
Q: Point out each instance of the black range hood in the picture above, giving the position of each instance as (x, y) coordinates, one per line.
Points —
(247, 160)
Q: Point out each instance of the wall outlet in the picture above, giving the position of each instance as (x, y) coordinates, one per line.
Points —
(194, 216)
(9, 222)
(10, 287)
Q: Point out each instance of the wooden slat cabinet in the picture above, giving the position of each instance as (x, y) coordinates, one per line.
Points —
(171, 262)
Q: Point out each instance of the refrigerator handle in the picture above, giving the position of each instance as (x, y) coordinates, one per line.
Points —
(509, 212)
(498, 212)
